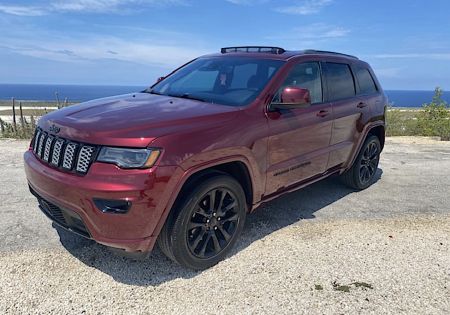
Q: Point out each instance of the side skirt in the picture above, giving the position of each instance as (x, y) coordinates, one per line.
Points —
(297, 186)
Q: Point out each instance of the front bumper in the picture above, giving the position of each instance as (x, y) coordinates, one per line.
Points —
(147, 190)
(62, 217)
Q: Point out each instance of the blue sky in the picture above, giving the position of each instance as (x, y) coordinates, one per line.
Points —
(132, 42)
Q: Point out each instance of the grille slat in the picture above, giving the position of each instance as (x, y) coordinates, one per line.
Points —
(84, 158)
(68, 155)
(36, 141)
(57, 148)
(48, 146)
(41, 144)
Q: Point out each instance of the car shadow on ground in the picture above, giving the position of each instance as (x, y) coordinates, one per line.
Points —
(157, 269)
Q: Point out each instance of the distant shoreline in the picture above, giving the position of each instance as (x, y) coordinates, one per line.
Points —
(7, 104)
(29, 94)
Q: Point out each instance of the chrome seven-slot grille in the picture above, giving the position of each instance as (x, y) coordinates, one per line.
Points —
(64, 154)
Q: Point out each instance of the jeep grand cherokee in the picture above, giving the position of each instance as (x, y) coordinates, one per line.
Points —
(182, 163)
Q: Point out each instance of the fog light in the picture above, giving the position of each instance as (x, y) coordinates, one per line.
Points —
(112, 206)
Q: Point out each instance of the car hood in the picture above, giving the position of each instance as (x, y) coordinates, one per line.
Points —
(133, 120)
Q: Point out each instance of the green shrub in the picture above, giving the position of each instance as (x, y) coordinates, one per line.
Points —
(434, 120)
(401, 122)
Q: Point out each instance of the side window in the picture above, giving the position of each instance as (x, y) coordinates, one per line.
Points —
(340, 81)
(307, 76)
(365, 81)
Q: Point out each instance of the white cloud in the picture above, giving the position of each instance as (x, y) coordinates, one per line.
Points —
(22, 10)
(88, 48)
(312, 34)
(107, 5)
(90, 5)
(319, 31)
(306, 7)
(388, 72)
(247, 2)
(95, 6)
(437, 56)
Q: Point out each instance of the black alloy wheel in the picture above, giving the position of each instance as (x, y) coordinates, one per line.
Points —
(213, 223)
(205, 224)
(369, 163)
(362, 173)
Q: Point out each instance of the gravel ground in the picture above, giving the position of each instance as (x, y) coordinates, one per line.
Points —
(324, 249)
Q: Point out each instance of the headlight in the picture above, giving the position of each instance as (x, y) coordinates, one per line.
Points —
(128, 158)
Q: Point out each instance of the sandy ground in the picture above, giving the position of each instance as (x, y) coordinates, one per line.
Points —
(322, 250)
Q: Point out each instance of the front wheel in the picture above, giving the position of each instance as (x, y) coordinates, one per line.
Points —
(363, 170)
(207, 223)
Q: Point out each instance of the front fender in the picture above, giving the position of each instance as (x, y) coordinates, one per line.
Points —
(188, 169)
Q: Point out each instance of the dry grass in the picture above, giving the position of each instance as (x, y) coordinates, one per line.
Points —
(32, 103)
(26, 112)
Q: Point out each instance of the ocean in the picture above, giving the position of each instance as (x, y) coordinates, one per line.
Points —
(80, 93)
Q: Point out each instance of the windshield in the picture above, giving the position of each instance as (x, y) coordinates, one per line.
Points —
(229, 81)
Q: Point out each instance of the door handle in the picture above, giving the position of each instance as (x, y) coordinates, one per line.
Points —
(323, 113)
(361, 105)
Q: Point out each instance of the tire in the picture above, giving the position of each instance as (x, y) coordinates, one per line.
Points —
(362, 173)
(205, 224)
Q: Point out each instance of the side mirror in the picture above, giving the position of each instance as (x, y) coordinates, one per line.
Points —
(293, 97)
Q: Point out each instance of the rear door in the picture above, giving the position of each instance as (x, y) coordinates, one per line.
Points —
(299, 138)
(347, 111)
(369, 93)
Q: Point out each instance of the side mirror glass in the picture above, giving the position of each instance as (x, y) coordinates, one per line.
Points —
(293, 97)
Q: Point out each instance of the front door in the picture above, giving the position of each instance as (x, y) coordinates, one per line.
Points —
(299, 138)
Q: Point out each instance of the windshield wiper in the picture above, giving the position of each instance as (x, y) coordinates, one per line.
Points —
(184, 95)
(187, 96)
(152, 92)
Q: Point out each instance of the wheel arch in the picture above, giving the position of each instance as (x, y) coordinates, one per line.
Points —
(379, 132)
(236, 167)
(377, 129)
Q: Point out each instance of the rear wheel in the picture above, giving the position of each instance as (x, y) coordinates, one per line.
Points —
(207, 223)
(363, 170)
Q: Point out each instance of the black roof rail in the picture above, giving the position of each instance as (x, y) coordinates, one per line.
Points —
(259, 49)
(313, 51)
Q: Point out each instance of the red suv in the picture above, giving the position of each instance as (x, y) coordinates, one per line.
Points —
(182, 163)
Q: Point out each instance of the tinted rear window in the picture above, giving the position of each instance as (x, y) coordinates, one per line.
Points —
(365, 81)
(340, 81)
